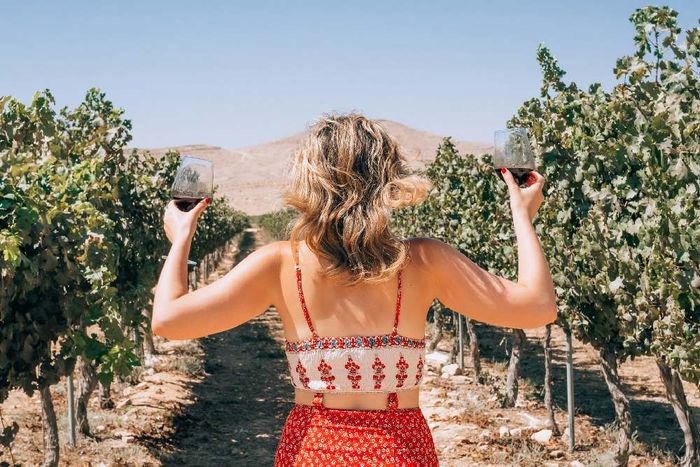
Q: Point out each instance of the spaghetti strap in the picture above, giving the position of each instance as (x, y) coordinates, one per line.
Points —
(395, 331)
(305, 310)
(300, 290)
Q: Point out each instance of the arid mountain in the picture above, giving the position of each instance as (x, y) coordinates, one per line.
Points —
(252, 178)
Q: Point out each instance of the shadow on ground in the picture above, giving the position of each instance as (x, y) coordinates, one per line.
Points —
(240, 407)
(654, 421)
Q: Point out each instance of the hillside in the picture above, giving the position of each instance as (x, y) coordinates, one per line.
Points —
(253, 177)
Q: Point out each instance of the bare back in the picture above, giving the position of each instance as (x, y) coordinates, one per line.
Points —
(336, 310)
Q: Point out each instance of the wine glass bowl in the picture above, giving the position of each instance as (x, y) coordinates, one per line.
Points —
(193, 182)
(512, 150)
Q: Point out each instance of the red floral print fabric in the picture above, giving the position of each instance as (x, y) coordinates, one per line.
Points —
(352, 368)
(378, 375)
(326, 374)
(401, 376)
(317, 436)
(302, 375)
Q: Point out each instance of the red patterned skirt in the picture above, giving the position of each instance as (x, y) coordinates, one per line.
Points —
(318, 436)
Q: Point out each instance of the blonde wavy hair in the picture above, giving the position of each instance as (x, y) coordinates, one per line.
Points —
(345, 179)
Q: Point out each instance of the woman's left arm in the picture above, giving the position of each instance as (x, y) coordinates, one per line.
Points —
(243, 293)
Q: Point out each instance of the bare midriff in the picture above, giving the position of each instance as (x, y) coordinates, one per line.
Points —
(358, 401)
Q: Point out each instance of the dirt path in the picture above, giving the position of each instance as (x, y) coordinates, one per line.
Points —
(241, 405)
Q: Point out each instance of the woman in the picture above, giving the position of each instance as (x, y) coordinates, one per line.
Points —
(354, 321)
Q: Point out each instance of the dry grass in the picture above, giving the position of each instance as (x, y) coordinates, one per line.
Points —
(185, 364)
(476, 412)
(522, 452)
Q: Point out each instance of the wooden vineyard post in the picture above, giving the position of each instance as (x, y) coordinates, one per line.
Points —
(570, 389)
(192, 276)
(71, 410)
(455, 339)
(461, 342)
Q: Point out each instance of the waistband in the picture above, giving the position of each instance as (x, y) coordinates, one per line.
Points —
(359, 412)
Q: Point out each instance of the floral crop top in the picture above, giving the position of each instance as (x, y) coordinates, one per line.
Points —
(383, 363)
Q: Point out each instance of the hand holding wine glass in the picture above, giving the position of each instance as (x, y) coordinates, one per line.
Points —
(527, 199)
(180, 225)
(514, 162)
(191, 192)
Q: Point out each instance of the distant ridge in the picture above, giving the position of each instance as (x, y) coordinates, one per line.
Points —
(252, 178)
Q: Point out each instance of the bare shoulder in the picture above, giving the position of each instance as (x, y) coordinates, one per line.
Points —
(427, 255)
(425, 251)
(433, 258)
(274, 251)
(283, 249)
(426, 259)
(268, 256)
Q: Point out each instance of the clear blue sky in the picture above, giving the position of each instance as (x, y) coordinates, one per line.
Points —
(238, 73)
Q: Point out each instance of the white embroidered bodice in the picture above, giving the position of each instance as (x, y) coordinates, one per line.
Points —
(383, 363)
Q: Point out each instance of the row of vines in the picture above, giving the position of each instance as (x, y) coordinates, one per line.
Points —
(81, 244)
(276, 224)
(621, 219)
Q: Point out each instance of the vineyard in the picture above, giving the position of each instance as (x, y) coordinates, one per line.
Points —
(81, 245)
(620, 223)
(82, 240)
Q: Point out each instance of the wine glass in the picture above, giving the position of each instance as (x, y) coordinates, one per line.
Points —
(512, 150)
(194, 181)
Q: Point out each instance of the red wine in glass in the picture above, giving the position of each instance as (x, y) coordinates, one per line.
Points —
(194, 181)
(512, 150)
(520, 174)
(186, 203)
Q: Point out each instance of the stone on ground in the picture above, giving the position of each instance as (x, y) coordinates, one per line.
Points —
(542, 436)
(557, 454)
(453, 432)
(452, 369)
(437, 359)
(532, 422)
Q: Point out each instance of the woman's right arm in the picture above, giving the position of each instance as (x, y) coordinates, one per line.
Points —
(463, 286)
